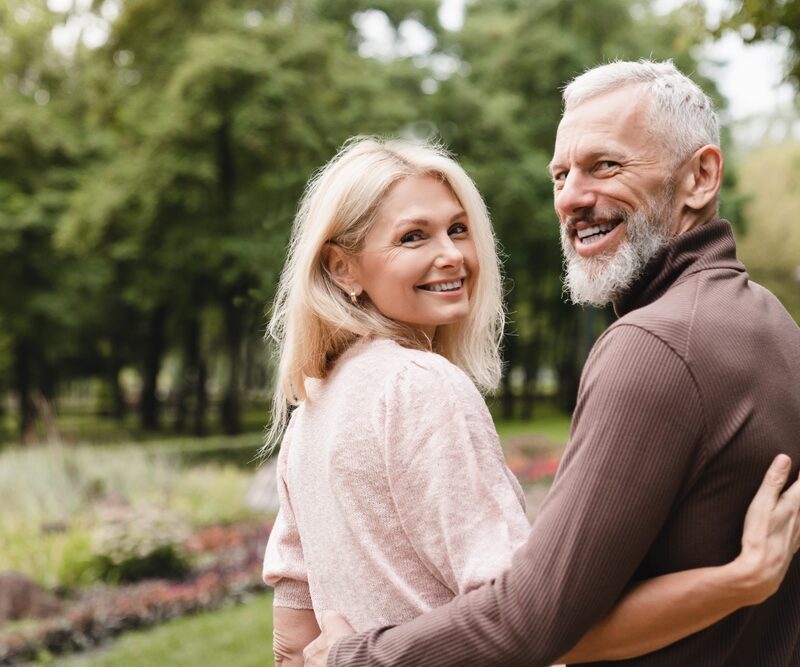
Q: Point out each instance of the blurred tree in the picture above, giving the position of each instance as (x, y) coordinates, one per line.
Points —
(771, 247)
(769, 20)
(147, 186)
(220, 114)
(42, 294)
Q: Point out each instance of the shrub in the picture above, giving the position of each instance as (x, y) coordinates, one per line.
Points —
(50, 495)
(134, 543)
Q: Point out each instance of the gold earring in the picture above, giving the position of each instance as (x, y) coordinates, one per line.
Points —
(353, 297)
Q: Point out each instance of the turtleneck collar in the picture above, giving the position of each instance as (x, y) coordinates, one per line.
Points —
(710, 246)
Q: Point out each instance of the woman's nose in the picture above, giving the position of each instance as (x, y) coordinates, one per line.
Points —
(448, 254)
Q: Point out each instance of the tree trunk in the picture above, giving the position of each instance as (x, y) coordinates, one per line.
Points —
(507, 399)
(570, 362)
(201, 398)
(231, 404)
(192, 388)
(117, 393)
(230, 408)
(154, 350)
(23, 384)
(531, 364)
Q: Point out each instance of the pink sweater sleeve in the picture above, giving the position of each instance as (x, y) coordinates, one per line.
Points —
(460, 506)
(284, 566)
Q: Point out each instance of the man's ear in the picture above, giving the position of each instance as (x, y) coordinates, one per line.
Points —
(341, 267)
(702, 178)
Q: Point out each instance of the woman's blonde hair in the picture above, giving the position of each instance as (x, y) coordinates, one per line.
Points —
(313, 321)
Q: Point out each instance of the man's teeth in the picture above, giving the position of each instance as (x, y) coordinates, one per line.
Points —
(444, 287)
(593, 234)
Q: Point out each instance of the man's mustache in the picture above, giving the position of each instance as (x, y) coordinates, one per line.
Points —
(595, 216)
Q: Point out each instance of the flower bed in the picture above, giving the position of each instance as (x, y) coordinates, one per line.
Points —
(231, 559)
(530, 469)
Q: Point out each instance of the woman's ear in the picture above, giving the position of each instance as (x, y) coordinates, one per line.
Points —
(341, 267)
(703, 177)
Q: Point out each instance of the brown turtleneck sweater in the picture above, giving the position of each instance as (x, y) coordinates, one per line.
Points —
(683, 403)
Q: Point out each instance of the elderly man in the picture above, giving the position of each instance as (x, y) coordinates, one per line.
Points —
(683, 401)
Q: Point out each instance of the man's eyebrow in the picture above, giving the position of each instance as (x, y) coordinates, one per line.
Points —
(593, 156)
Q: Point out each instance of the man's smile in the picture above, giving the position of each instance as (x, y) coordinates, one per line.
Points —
(597, 235)
(591, 235)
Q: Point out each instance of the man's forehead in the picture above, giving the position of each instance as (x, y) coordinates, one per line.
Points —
(618, 106)
(606, 123)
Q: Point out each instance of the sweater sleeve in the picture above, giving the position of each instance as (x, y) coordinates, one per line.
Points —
(636, 430)
(461, 509)
(284, 566)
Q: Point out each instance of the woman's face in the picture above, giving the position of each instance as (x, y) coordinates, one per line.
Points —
(419, 262)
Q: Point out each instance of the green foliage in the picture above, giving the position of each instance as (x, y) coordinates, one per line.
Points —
(147, 187)
(211, 493)
(134, 543)
(75, 563)
(52, 526)
(53, 484)
(770, 248)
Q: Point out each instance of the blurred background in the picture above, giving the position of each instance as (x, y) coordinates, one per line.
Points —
(151, 158)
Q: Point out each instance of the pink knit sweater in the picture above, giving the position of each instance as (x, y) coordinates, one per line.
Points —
(394, 496)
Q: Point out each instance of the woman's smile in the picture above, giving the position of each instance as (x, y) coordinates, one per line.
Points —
(448, 287)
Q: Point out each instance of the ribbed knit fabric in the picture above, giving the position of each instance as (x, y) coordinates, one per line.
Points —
(393, 489)
(683, 403)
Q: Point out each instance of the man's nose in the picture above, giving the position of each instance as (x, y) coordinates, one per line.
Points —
(575, 194)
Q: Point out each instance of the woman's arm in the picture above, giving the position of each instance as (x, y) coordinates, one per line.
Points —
(293, 630)
(660, 611)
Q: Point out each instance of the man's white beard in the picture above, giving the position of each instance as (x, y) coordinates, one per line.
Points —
(599, 279)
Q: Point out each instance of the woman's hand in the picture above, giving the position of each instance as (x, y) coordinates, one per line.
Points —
(771, 535)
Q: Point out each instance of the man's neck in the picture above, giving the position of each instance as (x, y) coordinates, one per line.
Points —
(690, 219)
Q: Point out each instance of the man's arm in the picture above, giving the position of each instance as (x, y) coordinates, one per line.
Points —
(636, 431)
(665, 609)
(660, 611)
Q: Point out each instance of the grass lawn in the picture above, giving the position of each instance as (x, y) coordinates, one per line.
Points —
(238, 635)
(553, 425)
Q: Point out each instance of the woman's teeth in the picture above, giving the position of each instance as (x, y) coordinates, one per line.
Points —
(593, 234)
(443, 287)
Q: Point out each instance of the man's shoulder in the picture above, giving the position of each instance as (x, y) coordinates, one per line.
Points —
(670, 317)
(711, 306)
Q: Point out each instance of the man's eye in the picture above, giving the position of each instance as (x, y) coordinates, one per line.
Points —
(559, 177)
(458, 228)
(605, 165)
(411, 237)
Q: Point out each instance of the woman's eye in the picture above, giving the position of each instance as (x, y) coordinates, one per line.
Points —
(411, 237)
(458, 228)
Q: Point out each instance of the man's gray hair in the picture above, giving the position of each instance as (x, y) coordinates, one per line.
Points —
(681, 114)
